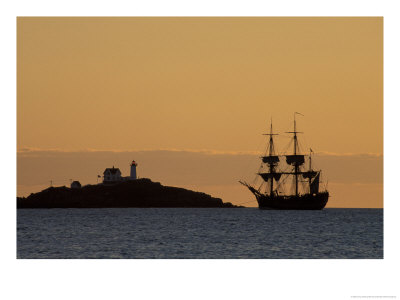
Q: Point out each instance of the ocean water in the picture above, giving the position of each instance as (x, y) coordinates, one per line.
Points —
(212, 233)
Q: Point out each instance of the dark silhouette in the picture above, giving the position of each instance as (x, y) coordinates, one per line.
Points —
(273, 197)
(135, 193)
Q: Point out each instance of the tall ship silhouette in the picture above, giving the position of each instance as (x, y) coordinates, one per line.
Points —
(294, 185)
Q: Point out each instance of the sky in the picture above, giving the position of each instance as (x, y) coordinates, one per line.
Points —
(180, 94)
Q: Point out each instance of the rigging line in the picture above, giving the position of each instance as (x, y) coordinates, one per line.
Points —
(256, 176)
(282, 182)
(306, 142)
(261, 164)
(251, 158)
(287, 129)
(287, 147)
(261, 186)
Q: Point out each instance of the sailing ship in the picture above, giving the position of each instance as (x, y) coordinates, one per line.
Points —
(304, 192)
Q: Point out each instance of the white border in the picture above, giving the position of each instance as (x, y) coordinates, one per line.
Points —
(205, 279)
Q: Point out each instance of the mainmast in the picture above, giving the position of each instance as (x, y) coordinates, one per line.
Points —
(296, 166)
(309, 170)
(295, 159)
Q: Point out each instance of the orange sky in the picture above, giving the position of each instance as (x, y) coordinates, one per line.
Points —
(201, 83)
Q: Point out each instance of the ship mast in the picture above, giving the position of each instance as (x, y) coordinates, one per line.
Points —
(271, 152)
(295, 159)
(296, 166)
(310, 170)
(271, 159)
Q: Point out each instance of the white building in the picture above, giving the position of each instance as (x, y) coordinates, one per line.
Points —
(112, 175)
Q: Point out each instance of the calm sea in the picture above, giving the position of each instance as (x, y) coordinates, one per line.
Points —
(199, 233)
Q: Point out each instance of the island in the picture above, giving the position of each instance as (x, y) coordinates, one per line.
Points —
(135, 193)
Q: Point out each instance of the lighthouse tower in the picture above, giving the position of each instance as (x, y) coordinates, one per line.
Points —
(133, 170)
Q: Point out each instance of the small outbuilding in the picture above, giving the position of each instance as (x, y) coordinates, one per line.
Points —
(76, 185)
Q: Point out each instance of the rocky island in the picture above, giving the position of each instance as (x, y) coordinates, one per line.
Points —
(136, 193)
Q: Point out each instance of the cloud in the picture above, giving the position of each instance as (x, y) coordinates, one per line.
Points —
(28, 150)
(214, 172)
(201, 166)
(324, 153)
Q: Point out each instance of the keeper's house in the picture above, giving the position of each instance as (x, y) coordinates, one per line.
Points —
(111, 175)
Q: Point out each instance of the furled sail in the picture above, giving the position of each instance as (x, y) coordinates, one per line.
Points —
(314, 186)
(272, 159)
(267, 176)
(309, 174)
(295, 159)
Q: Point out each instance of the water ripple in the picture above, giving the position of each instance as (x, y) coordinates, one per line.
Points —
(199, 233)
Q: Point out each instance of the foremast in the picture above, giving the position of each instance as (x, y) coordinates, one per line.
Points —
(272, 160)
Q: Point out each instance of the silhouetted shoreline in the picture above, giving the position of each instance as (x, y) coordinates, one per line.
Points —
(136, 193)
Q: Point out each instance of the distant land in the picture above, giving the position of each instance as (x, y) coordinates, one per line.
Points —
(136, 193)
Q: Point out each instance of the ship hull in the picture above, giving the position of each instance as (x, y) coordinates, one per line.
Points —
(301, 202)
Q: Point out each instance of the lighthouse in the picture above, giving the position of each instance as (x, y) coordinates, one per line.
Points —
(133, 170)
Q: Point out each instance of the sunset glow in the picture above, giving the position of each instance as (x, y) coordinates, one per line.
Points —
(176, 87)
